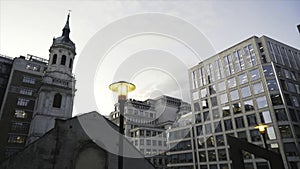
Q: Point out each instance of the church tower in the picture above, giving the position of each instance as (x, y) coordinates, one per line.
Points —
(56, 94)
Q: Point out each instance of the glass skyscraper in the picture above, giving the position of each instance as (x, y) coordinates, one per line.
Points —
(255, 81)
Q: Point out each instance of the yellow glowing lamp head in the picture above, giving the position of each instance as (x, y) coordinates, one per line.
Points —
(122, 88)
(261, 128)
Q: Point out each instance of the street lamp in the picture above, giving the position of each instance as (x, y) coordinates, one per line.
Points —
(262, 129)
(122, 88)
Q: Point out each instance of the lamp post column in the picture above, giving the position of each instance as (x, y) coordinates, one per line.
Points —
(122, 88)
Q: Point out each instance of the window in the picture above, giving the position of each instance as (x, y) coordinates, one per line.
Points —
(285, 131)
(194, 79)
(226, 111)
(29, 80)
(218, 127)
(258, 88)
(251, 119)
(214, 101)
(26, 92)
(57, 100)
(291, 87)
(212, 89)
(286, 73)
(222, 86)
(20, 114)
(293, 115)
(261, 102)
(236, 108)
(249, 105)
(250, 55)
(245, 91)
(254, 74)
(34, 67)
(238, 60)
(255, 135)
(290, 149)
(228, 65)
(211, 155)
(231, 83)
(148, 142)
(276, 99)
(203, 93)
(220, 140)
(195, 96)
(268, 70)
(228, 124)
(216, 113)
(202, 156)
(206, 116)
(71, 63)
(22, 102)
(202, 77)
(272, 84)
(243, 79)
(198, 118)
(63, 60)
(242, 135)
(208, 129)
(16, 139)
(265, 117)
(281, 115)
(234, 95)
(239, 122)
(199, 130)
(20, 126)
(196, 107)
(223, 98)
(54, 59)
(295, 101)
(219, 69)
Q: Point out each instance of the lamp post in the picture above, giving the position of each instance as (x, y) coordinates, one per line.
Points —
(262, 129)
(122, 88)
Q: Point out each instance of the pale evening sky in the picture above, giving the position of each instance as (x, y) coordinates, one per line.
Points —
(27, 27)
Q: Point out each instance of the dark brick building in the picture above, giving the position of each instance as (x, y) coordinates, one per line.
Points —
(21, 78)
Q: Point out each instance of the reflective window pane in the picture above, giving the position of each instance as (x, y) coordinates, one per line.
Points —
(268, 70)
(281, 115)
(239, 122)
(248, 105)
(251, 119)
(261, 102)
(254, 74)
(226, 111)
(276, 99)
(243, 78)
(236, 108)
(258, 88)
(231, 83)
(221, 86)
(272, 84)
(245, 91)
(234, 95)
(223, 98)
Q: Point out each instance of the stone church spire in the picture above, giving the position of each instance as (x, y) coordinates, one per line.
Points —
(56, 94)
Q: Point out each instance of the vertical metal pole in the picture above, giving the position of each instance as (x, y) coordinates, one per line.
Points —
(121, 131)
(264, 140)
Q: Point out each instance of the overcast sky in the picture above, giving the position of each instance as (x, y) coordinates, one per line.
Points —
(27, 27)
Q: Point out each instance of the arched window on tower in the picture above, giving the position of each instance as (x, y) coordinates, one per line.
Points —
(63, 60)
(54, 59)
(57, 100)
(71, 63)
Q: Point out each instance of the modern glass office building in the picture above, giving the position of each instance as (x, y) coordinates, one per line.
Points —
(255, 81)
